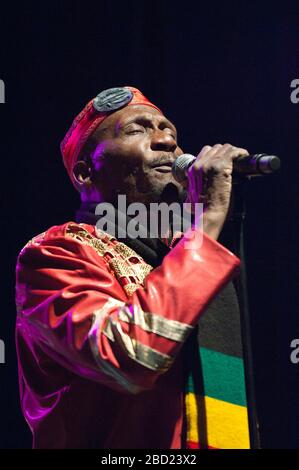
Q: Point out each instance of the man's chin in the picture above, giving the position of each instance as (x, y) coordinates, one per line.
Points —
(156, 192)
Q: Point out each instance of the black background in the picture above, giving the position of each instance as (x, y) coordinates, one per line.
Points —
(222, 72)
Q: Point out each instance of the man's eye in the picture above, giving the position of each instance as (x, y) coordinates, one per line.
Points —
(170, 131)
(135, 130)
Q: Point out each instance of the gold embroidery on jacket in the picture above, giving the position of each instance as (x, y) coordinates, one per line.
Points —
(129, 268)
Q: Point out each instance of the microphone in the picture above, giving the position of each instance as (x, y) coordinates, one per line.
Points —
(248, 165)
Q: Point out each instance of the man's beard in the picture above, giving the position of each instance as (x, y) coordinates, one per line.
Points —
(146, 188)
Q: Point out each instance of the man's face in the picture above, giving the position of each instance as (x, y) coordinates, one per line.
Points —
(136, 148)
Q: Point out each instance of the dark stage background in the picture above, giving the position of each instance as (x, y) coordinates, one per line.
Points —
(222, 73)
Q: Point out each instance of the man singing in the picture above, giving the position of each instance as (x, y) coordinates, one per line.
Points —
(108, 328)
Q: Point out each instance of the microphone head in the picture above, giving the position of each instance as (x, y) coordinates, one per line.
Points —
(181, 165)
(268, 164)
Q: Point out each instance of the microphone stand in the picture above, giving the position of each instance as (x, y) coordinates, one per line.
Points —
(238, 218)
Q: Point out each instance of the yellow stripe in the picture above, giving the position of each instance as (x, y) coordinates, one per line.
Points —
(226, 423)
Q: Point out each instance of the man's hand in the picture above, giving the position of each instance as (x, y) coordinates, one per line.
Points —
(210, 182)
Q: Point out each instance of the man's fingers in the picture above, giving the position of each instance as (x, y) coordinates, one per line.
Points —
(235, 151)
(215, 149)
(203, 151)
(197, 164)
(221, 151)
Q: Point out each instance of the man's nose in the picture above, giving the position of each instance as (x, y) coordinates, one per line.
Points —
(162, 140)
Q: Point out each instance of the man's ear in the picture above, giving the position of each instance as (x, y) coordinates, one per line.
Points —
(82, 173)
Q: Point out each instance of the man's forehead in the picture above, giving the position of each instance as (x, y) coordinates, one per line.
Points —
(133, 111)
(130, 113)
(138, 109)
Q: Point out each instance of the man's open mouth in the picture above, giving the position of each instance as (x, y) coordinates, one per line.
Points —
(163, 169)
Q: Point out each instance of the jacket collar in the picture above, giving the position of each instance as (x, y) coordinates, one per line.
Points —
(152, 250)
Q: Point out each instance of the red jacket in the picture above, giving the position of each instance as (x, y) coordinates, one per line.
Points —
(99, 335)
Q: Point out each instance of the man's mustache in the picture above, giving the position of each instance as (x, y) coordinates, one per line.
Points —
(164, 159)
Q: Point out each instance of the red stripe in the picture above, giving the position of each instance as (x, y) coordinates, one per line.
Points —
(196, 445)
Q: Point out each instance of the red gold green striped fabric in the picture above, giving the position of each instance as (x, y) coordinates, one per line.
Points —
(215, 401)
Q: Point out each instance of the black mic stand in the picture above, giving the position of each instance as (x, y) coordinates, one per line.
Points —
(238, 217)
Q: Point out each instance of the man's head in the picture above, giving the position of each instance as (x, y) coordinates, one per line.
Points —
(128, 150)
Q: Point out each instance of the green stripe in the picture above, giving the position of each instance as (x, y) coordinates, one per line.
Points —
(223, 377)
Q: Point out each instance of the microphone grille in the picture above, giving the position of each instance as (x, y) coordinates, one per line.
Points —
(180, 165)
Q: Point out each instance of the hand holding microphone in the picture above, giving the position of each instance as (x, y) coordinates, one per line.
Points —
(250, 165)
(208, 178)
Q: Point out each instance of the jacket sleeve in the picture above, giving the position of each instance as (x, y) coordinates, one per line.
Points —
(72, 305)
